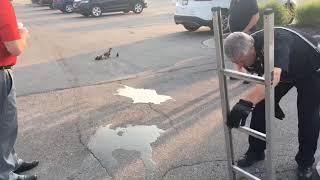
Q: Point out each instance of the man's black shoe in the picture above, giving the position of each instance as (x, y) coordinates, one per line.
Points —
(25, 166)
(251, 158)
(27, 177)
(304, 173)
(233, 79)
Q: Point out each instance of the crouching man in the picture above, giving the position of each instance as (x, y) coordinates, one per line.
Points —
(297, 64)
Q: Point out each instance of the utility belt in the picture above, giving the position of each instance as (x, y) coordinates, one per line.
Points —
(5, 67)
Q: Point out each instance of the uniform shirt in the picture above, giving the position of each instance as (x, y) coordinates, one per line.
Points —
(8, 32)
(241, 12)
(292, 53)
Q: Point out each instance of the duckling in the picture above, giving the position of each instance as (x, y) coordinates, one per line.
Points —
(99, 58)
(107, 54)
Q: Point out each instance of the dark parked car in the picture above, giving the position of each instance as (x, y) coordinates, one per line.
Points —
(44, 2)
(97, 7)
(65, 6)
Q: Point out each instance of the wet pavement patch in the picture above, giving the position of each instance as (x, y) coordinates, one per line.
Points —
(142, 95)
(107, 141)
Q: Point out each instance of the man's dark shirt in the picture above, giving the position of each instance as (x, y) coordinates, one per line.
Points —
(294, 55)
(241, 11)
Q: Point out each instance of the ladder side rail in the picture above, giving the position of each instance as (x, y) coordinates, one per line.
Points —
(269, 89)
(223, 89)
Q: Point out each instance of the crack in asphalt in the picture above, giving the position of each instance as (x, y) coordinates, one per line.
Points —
(126, 78)
(86, 147)
(190, 165)
(182, 68)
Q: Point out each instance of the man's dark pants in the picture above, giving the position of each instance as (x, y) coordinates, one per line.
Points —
(308, 104)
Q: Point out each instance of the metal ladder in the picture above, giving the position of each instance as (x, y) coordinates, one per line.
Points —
(268, 18)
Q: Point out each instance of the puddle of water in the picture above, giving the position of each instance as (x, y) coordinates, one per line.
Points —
(142, 95)
(131, 138)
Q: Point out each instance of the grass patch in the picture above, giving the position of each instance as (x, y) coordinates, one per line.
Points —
(308, 13)
(282, 16)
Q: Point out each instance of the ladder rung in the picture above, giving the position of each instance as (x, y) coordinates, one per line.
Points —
(253, 132)
(245, 173)
(244, 76)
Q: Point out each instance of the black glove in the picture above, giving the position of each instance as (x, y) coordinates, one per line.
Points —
(278, 112)
(239, 113)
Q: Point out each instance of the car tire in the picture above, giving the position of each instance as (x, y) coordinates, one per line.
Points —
(137, 7)
(225, 21)
(68, 8)
(96, 11)
(292, 12)
(191, 28)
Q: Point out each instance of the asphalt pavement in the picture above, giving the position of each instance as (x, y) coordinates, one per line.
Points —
(73, 118)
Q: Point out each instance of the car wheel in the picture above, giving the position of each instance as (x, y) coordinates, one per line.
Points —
(225, 21)
(292, 12)
(96, 11)
(138, 7)
(68, 8)
(191, 28)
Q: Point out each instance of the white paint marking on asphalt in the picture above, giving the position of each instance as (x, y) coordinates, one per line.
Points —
(142, 95)
(107, 141)
(318, 167)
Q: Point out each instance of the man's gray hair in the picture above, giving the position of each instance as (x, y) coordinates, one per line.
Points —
(237, 44)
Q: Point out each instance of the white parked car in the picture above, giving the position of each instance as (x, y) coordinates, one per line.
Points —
(193, 14)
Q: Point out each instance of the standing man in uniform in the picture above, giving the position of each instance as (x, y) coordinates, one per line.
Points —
(243, 17)
(12, 44)
(297, 63)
